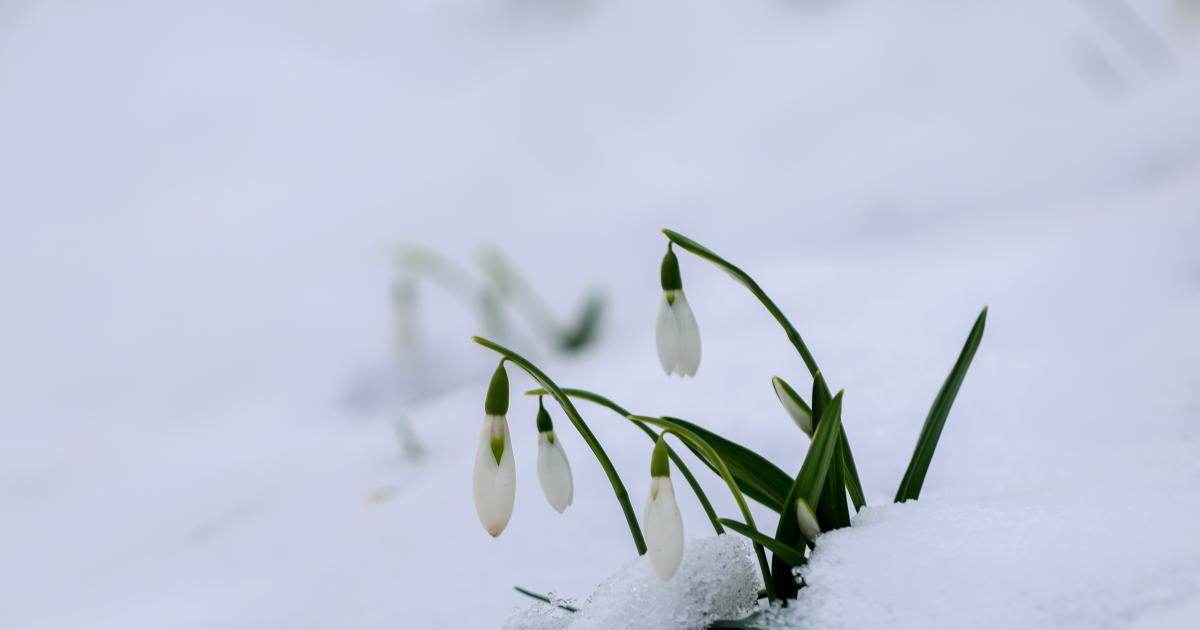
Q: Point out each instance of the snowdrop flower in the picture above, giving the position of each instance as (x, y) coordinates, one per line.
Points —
(662, 522)
(795, 406)
(495, 472)
(554, 471)
(676, 332)
(808, 520)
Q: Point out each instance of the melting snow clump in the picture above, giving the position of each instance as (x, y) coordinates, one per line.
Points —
(717, 580)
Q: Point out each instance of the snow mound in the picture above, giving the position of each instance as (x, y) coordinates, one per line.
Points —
(717, 580)
(961, 565)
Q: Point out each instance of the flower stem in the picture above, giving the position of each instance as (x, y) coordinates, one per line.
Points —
(569, 409)
(698, 442)
(621, 411)
(847, 458)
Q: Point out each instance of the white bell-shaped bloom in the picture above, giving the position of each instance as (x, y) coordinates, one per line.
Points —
(495, 475)
(678, 335)
(554, 471)
(664, 528)
(794, 405)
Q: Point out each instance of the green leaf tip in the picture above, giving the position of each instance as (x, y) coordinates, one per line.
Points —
(659, 464)
(544, 423)
(496, 403)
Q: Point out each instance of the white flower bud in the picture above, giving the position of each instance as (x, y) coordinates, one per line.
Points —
(554, 471)
(495, 475)
(677, 335)
(664, 528)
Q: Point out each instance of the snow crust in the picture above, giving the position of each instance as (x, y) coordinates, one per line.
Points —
(718, 580)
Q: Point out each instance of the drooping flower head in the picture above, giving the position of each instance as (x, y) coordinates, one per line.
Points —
(662, 521)
(495, 471)
(554, 471)
(676, 332)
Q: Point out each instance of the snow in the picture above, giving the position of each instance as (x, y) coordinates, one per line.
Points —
(200, 401)
(718, 579)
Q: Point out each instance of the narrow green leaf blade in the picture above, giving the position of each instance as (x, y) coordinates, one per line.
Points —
(832, 512)
(931, 431)
(756, 476)
(809, 485)
(789, 553)
(852, 482)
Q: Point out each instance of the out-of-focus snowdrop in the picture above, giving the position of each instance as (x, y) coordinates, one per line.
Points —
(662, 521)
(676, 332)
(410, 444)
(495, 470)
(554, 471)
(795, 406)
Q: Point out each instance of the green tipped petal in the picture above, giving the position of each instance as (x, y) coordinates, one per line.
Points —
(496, 403)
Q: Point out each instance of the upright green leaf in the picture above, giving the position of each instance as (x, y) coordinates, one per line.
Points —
(809, 485)
(832, 512)
(918, 466)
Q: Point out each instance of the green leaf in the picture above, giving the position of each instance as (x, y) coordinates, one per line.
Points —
(577, 337)
(918, 466)
(544, 598)
(787, 552)
(756, 476)
(853, 485)
(809, 484)
(832, 512)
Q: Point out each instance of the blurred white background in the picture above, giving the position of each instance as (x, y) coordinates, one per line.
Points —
(198, 204)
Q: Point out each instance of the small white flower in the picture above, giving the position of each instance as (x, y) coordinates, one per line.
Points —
(794, 405)
(678, 335)
(495, 471)
(554, 471)
(495, 475)
(662, 521)
(664, 528)
(676, 332)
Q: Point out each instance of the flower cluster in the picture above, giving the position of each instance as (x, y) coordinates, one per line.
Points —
(812, 501)
(495, 470)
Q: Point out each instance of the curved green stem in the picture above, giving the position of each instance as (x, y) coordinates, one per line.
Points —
(568, 408)
(854, 485)
(793, 335)
(621, 411)
(696, 441)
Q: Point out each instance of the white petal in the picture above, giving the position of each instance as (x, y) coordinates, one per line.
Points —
(554, 472)
(802, 420)
(495, 484)
(664, 528)
(666, 333)
(689, 336)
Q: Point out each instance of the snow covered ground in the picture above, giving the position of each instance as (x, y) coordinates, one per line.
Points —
(196, 205)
